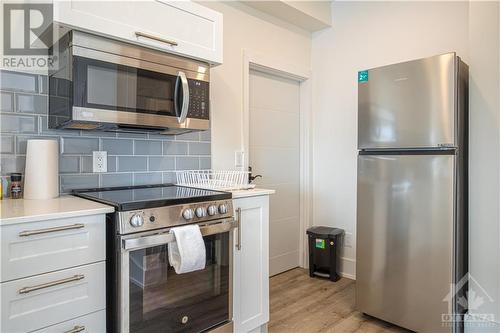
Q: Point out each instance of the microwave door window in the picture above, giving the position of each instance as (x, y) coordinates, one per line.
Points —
(162, 301)
(155, 92)
(111, 87)
(107, 86)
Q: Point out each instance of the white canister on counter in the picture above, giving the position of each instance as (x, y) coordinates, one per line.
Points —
(41, 178)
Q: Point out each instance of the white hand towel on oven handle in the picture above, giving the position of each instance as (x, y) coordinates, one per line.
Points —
(187, 253)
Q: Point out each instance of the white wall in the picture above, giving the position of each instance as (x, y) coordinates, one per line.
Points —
(246, 29)
(484, 234)
(365, 35)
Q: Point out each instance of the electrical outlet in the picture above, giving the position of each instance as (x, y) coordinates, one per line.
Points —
(239, 159)
(100, 161)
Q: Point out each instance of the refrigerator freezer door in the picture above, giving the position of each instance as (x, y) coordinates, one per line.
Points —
(405, 238)
(408, 105)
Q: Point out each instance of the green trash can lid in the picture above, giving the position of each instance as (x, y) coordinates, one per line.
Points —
(325, 232)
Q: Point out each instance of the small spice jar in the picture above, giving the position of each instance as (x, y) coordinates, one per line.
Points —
(16, 190)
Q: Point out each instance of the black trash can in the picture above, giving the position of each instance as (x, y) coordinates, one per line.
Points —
(323, 242)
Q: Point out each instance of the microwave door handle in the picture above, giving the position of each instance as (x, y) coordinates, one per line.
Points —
(176, 97)
(185, 97)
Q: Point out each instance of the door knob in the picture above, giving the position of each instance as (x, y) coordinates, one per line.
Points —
(251, 177)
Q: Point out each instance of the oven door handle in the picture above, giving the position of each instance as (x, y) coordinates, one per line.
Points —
(131, 244)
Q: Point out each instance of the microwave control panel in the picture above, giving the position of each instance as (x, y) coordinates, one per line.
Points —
(198, 99)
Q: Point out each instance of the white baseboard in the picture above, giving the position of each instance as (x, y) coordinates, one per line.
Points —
(347, 268)
(284, 262)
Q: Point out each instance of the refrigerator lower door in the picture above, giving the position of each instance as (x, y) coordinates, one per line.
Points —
(408, 105)
(405, 239)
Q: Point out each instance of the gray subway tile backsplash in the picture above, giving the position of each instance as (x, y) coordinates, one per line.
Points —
(117, 179)
(43, 84)
(175, 148)
(77, 145)
(7, 144)
(71, 182)
(191, 136)
(148, 178)
(69, 164)
(118, 146)
(199, 148)
(169, 177)
(205, 136)
(148, 147)
(7, 102)
(19, 81)
(31, 103)
(12, 163)
(133, 158)
(205, 163)
(14, 123)
(187, 163)
(161, 163)
(132, 163)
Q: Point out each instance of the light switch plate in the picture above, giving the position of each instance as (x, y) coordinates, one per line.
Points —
(347, 239)
(100, 161)
(239, 159)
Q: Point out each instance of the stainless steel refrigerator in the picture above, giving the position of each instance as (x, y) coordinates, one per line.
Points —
(412, 192)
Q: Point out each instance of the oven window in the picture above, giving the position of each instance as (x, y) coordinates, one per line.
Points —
(108, 86)
(163, 301)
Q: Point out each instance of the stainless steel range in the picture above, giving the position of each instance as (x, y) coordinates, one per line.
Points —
(144, 292)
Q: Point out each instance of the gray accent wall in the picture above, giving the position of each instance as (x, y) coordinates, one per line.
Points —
(133, 158)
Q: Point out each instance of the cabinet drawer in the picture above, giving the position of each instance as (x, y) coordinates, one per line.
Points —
(35, 302)
(44, 246)
(181, 27)
(91, 323)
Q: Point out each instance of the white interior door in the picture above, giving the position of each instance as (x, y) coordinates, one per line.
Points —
(274, 145)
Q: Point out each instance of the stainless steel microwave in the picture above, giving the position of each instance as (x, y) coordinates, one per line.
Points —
(104, 84)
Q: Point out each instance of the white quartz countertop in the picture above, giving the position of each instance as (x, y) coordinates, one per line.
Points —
(14, 211)
(251, 193)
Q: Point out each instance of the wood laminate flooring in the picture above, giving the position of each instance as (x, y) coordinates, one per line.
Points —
(300, 304)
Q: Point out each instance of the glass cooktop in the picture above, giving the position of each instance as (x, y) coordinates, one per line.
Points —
(149, 196)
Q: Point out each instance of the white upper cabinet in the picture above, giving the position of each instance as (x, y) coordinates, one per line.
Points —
(181, 27)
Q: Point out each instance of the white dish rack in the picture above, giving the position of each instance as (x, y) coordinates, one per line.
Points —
(215, 179)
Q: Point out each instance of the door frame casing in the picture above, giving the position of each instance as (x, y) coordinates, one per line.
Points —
(277, 67)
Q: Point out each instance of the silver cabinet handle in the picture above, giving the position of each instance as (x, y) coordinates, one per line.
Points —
(48, 230)
(185, 97)
(156, 38)
(76, 329)
(26, 290)
(238, 214)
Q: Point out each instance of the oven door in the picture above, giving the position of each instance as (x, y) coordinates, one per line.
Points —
(153, 298)
(132, 93)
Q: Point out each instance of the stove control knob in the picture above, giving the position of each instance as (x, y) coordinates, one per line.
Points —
(188, 214)
(136, 220)
(223, 209)
(212, 210)
(201, 212)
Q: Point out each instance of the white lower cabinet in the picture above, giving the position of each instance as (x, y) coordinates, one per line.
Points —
(44, 246)
(91, 323)
(42, 300)
(53, 275)
(251, 264)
